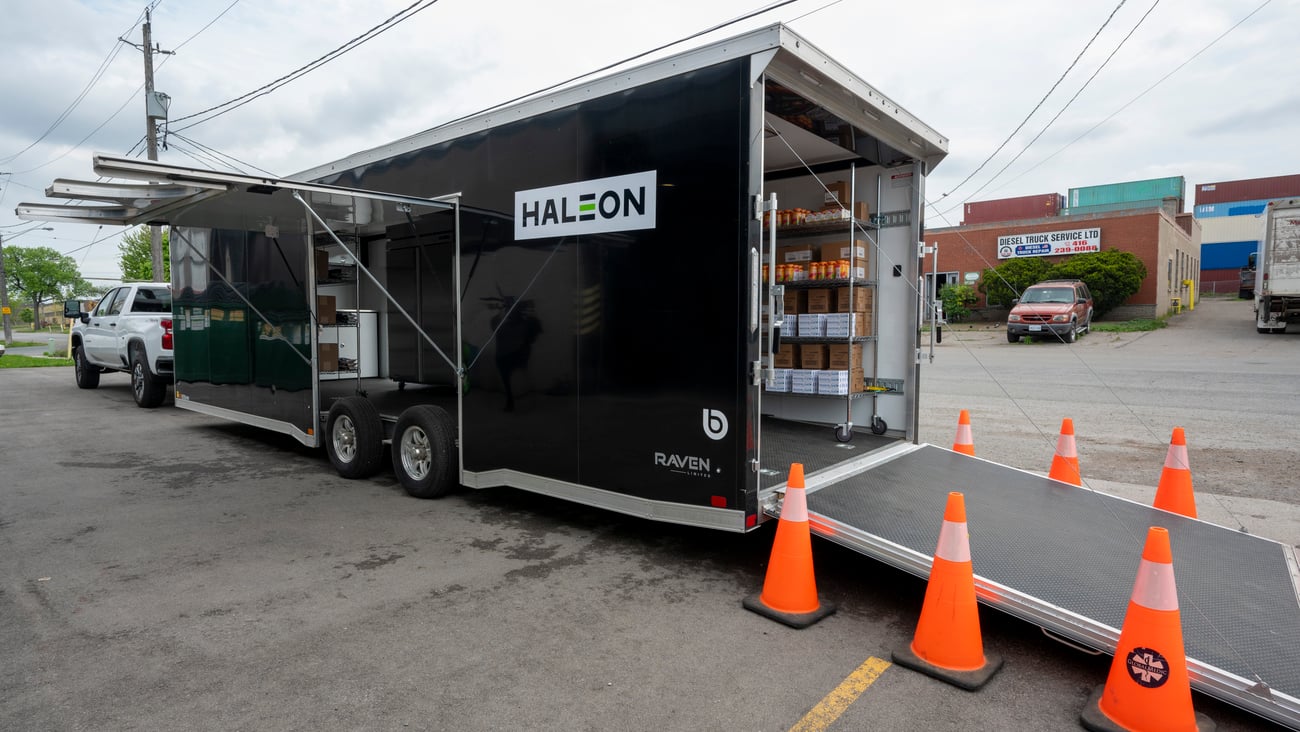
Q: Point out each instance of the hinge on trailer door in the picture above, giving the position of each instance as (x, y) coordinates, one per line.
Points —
(756, 373)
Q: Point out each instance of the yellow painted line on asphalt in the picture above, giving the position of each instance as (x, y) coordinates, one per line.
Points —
(833, 704)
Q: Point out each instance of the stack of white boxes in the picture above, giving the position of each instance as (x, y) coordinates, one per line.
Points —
(780, 380)
(812, 325)
(803, 381)
(844, 325)
(832, 382)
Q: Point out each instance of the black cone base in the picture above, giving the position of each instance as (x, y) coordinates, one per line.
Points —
(794, 620)
(968, 680)
(1096, 720)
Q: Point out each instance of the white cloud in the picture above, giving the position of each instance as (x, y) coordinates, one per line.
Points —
(972, 71)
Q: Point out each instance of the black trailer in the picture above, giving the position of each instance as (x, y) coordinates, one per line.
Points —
(568, 296)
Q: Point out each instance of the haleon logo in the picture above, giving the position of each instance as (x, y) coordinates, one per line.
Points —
(620, 203)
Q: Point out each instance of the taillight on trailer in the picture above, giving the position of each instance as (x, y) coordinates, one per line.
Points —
(167, 334)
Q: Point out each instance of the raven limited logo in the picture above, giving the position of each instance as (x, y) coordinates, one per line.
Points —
(696, 467)
(715, 424)
(621, 203)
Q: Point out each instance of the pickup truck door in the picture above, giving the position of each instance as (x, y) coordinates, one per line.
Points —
(100, 335)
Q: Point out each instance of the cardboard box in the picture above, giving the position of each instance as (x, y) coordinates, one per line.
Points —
(845, 356)
(811, 325)
(862, 211)
(861, 303)
(819, 300)
(325, 309)
(796, 254)
(322, 265)
(858, 252)
(796, 301)
(803, 381)
(784, 357)
(329, 357)
(838, 193)
(813, 356)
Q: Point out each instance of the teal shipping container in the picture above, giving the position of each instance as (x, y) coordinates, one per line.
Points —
(1155, 189)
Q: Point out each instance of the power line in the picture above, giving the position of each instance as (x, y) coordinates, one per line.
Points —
(225, 107)
(94, 79)
(219, 156)
(1034, 111)
(1144, 92)
(1052, 121)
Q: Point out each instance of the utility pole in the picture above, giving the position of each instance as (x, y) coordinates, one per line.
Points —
(4, 295)
(154, 109)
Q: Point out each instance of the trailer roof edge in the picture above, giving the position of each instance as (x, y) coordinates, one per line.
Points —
(794, 52)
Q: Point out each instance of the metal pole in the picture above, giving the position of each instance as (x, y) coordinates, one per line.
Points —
(4, 295)
(151, 137)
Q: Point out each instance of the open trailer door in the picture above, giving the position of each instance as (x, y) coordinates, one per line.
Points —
(247, 254)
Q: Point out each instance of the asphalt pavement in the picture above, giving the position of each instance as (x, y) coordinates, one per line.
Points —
(180, 572)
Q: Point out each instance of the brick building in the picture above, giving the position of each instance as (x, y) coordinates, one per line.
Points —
(1167, 242)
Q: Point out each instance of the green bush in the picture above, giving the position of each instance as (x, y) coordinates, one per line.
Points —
(1004, 283)
(957, 302)
(1112, 276)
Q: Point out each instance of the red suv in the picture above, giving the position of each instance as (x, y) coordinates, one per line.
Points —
(1062, 308)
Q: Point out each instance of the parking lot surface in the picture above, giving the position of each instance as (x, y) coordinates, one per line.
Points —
(162, 570)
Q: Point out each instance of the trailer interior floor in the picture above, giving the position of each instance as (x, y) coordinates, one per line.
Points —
(786, 441)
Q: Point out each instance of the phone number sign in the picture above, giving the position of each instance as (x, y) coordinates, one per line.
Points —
(1049, 243)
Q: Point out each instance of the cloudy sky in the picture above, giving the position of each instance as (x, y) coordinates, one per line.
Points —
(1219, 110)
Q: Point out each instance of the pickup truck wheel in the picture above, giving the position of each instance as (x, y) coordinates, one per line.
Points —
(424, 451)
(87, 374)
(354, 437)
(148, 390)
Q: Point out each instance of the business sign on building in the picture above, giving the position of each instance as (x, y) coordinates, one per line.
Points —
(1049, 243)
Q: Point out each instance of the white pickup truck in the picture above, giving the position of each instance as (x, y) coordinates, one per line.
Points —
(129, 330)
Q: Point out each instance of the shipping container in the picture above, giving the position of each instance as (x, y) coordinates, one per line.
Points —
(1172, 206)
(1037, 206)
(1155, 189)
(1235, 208)
(1227, 255)
(1232, 228)
(1278, 186)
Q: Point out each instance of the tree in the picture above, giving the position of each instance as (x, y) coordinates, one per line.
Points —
(1112, 276)
(957, 300)
(1004, 283)
(41, 274)
(136, 260)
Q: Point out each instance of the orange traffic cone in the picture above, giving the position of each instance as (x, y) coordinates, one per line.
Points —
(790, 589)
(964, 443)
(1065, 464)
(1174, 493)
(1148, 687)
(948, 644)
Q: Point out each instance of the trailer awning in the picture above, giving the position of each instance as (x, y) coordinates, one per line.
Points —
(175, 188)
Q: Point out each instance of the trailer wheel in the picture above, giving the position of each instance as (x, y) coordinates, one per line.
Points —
(424, 451)
(843, 433)
(354, 437)
(878, 426)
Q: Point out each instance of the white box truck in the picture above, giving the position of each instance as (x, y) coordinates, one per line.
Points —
(1277, 268)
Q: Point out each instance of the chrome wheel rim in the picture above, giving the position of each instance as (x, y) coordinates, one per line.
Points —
(417, 458)
(345, 438)
(137, 379)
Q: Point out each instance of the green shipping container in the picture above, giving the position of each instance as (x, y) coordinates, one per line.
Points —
(1154, 189)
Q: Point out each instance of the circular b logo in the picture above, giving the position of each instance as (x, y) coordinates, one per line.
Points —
(1147, 667)
(715, 424)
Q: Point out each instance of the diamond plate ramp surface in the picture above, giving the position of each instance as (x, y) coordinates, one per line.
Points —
(1079, 550)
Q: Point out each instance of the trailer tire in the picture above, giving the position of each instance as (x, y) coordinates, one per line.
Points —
(424, 451)
(87, 374)
(354, 437)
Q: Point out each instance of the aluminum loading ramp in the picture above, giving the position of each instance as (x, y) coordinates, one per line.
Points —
(1065, 558)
